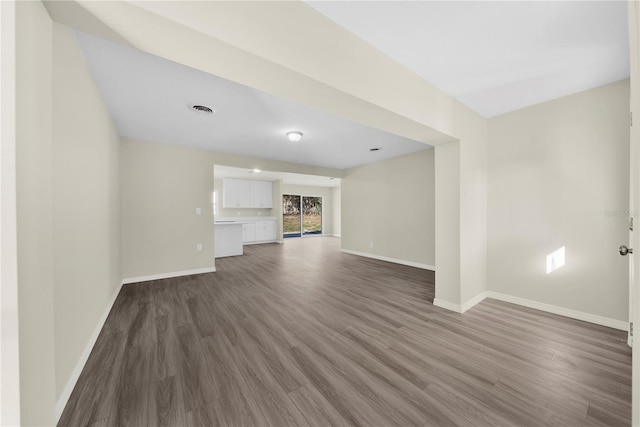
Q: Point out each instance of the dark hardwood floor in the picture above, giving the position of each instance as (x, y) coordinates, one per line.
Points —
(302, 334)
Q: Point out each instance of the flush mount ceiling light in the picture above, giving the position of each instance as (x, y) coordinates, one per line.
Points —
(203, 109)
(255, 171)
(375, 149)
(294, 136)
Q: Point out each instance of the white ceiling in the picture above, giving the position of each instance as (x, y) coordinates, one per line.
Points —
(500, 56)
(494, 57)
(221, 172)
(150, 98)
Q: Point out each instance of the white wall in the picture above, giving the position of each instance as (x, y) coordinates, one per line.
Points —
(336, 196)
(327, 201)
(9, 344)
(447, 231)
(241, 41)
(559, 176)
(473, 212)
(161, 186)
(67, 209)
(634, 61)
(34, 189)
(388, 208)
(368, 101)
(86, 210)
(461, 213)
(277, 209)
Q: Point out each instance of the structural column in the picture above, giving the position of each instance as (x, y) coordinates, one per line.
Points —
(461, 222)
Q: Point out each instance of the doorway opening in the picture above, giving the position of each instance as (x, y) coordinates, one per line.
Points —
(301, 215)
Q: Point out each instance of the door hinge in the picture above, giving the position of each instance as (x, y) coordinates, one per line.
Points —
(631, 329)
(630, 118)
(631, 224)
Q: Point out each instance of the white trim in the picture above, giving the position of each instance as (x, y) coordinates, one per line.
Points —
(474, 301)
(574, 314)
(168, 275)
(457, 308)
(258, 242)
(302, 235)
(9, 321)
(73, 379)
(554, 309)
(447, 305)
(333, 235)
(389, 259)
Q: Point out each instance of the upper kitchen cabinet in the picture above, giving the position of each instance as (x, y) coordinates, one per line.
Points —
(243, 193)
(236, 193)
(261, 194)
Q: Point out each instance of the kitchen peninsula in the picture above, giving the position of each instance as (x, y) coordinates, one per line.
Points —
(231, 233)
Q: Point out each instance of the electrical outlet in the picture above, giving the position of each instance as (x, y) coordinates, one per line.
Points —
(199, 247)
(198, 211)
(371, 245)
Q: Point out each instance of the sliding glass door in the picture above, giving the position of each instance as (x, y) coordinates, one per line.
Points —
(311, 215)
(302, 215)
(291, 216)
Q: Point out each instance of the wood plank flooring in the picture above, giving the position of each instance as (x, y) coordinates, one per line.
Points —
(301, 334)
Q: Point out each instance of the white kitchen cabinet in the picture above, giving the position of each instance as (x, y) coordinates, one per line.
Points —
(236, 193)
(254, 230)
(249, 232)
(261, 194)
(265, 231)
(228, 239)
(244, 193)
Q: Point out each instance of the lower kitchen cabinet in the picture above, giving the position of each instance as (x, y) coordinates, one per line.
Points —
(265, 230)
(249, 232)
(259, 232)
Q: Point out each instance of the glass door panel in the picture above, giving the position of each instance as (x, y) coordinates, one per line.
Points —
(291, 215)
(311, 215)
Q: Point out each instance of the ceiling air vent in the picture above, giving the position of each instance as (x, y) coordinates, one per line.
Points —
(203, 109)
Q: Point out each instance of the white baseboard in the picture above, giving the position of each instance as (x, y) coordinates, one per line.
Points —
(259, 243)
(554, 309)
(473, 301)
(168, 275)
(447, 305)
(574, 314)
(73, 379)
(310, 235)
(389, 259)
(460, 308)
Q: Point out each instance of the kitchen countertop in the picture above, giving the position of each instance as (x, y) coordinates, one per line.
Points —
(242, 219)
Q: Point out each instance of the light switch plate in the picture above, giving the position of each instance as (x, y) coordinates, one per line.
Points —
(198, 211)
